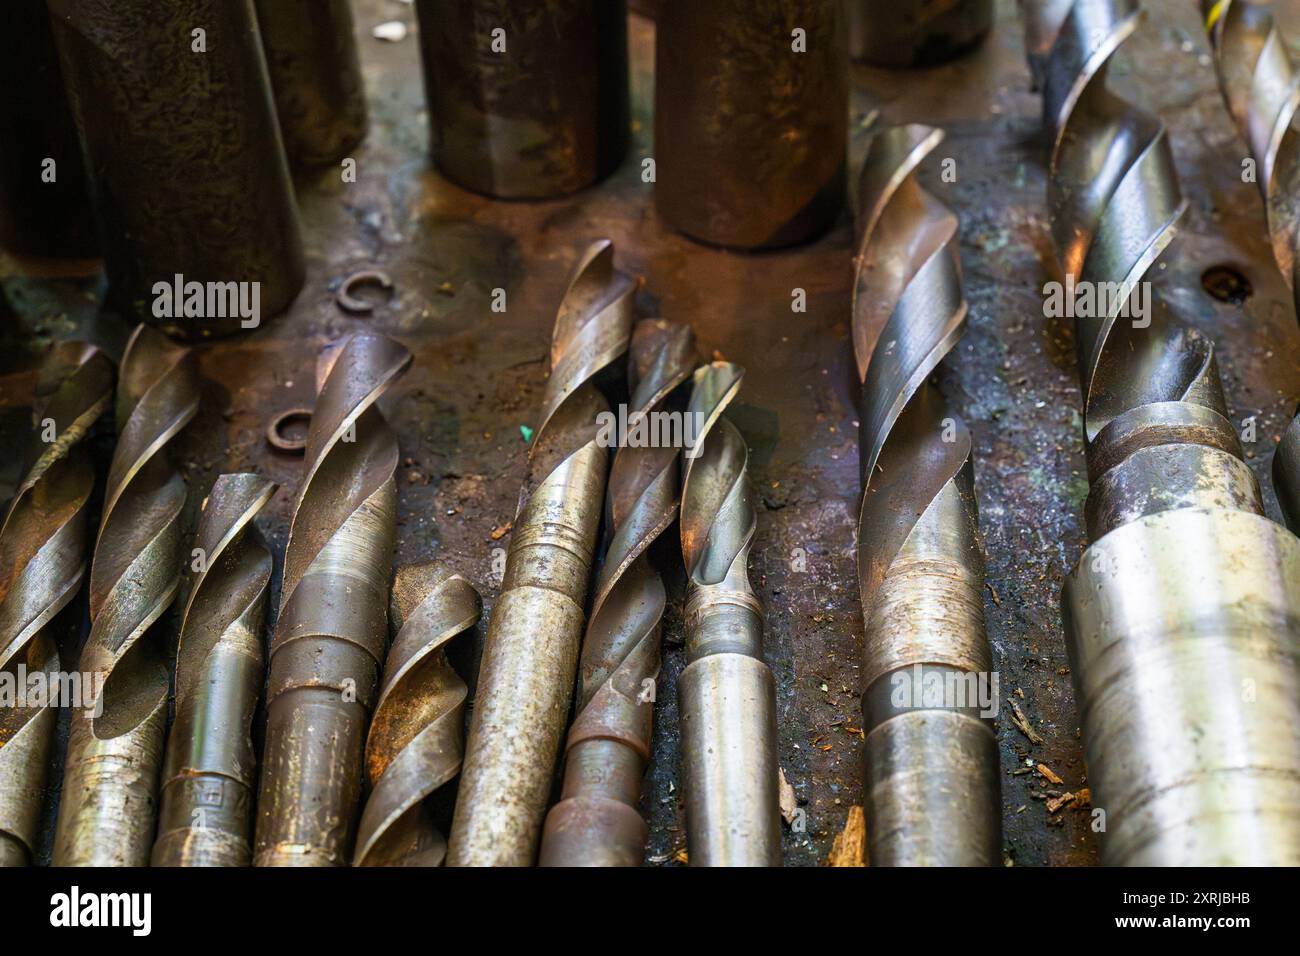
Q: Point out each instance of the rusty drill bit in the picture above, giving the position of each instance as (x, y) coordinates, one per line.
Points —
(329, 639)
(110, 781)
(526, 679)
(596, 822)
(416, 739)
(932, 791)
(1258, 77)
(206, 812)
(726, 694)
(1182, 609)
(311, 54)
(43, 546)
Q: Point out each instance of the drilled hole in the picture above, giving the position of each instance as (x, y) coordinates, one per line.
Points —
(1227, 284)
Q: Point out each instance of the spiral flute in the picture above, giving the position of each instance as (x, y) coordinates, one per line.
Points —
(726, 694)
(530, 659)
(596, 822)
(329, 639)
(206, 812)
(110, 780)
(1261, 86)
(43, 546)
(932, 792)
(1183, 615)
(416, 739)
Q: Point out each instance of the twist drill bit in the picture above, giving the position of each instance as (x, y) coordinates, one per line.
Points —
(726, 694)
(43, 546)
(1183, 614)
(416, 739)
(329, 639)
(526, 678)
(1261, 86)
(106, 815)
(932, 793)
(596, 822)
(206, 812)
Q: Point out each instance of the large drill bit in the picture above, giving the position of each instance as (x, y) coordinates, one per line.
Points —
(931, 758)
(416, 740)
(43, 546)
(596, 822)
(206, 812)
(1259, 80)
(526, 679)
(1183, 615)
(333, 623)
(726, 694)
(107, 809)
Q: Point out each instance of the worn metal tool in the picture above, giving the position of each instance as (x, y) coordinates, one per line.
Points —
(416, 739)
(110, 780)
(596, 822)
(330, 635)
(1261, 86)
(526, 678)
(932, 793)
(726, 696)
(206, 808)
(311, 54)
(751, 119)
(905, 33)
(173, 105)
(528, 99)
(43, 547)
(1183, 615)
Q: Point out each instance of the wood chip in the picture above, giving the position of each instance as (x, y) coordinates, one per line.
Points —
(786, 794)
(1055, 803)
(1046, 771)
(850, 846)
(1022, 724)
(500, 532)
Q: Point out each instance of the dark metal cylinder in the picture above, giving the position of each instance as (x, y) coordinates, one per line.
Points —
(311, 53)
(751, 119)
(174, 109)
(527, 99)
(916, 32)
(38, 217)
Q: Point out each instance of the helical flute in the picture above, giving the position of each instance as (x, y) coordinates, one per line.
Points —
(1182, 610)
(210, 769)
(726, 694)
(931, 784)
(329, 640)
(1261, 87)
(416, 739)
(596, 822)
(110, 780)
(43, 549)
(531, 656)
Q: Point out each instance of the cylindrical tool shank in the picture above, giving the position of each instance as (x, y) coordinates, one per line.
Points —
(902, 33)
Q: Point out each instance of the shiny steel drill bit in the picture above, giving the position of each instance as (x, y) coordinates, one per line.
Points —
(329, 638)
(206, 812)
(1183, 615)
(526, 679)
(932, 795)
(596, 822)
(110, 781)
(1261, 86)
(726, 694)
(43, 547)
(416, 740)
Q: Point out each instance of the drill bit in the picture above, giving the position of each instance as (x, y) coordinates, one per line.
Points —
(726, 694)
(206, 810)
(1181, 609)
(43, 545)
(416, 739)
(596, 822)
(531, 656)
(110, 780)
(932, 793)
(329, 638)
(1258, 77)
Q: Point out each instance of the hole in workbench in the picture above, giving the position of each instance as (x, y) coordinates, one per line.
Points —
(1227, 284)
